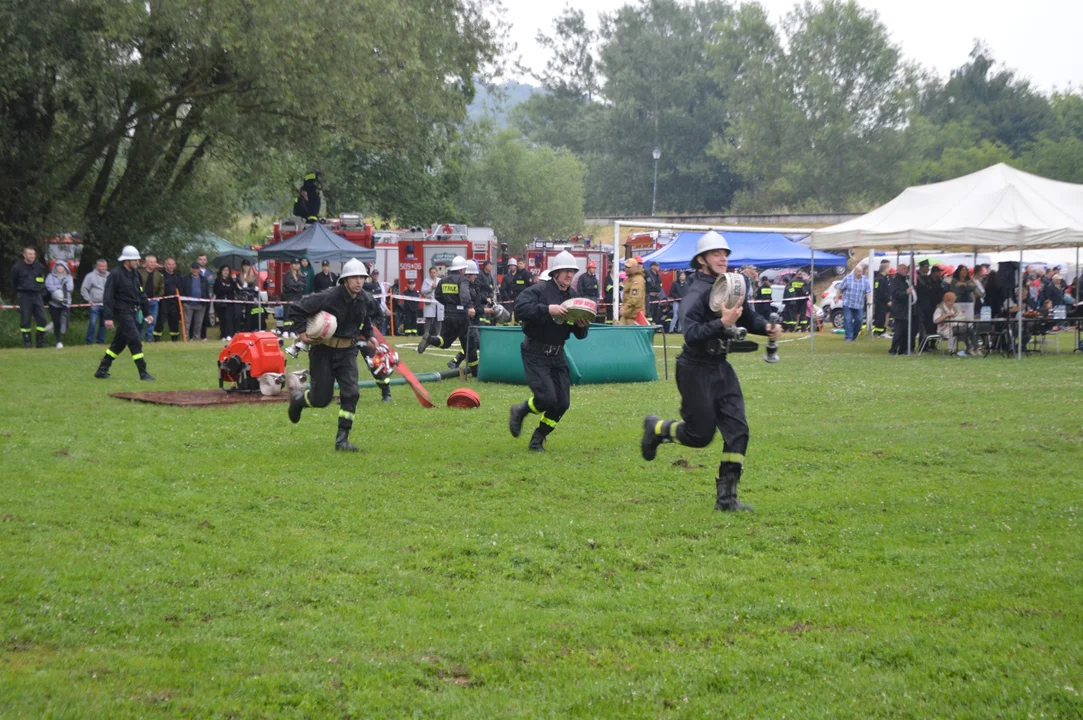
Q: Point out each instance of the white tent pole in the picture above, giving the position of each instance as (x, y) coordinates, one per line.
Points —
(871, 302)
(812, 299)
(1019, 337)
(909, 306)
(616, 271)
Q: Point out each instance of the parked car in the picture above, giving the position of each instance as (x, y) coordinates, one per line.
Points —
(830, 305)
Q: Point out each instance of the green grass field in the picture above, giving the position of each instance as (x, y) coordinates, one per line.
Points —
(915, 550)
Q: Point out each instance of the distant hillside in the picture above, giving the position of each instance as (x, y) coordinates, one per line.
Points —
(499, 105)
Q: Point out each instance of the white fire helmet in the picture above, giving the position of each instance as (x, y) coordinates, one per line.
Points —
(512, 262)
(353, 268)
(563, 261)
(457, 263)
(128, 253)
(472, 268)
(707, 242)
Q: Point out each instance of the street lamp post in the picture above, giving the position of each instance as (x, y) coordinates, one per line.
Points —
(654, 196)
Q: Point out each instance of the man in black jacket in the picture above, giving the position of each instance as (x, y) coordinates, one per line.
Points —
(880, 297)
(335, 359)
(509, 291)
(653, 280)
(587, 285)
(455, 294)
(901, 294)
(325, 279)
(763, 296)
(711, 396)
(169, 310)
(124, 298)
(28, 277)
(541, 310)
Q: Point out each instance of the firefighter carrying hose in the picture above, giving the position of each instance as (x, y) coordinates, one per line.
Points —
(123, 298)
(455, 294)
(541, 310)
(335, 359)
(710, 393)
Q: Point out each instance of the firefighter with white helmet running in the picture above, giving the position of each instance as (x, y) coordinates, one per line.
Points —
(124, 297)
(455, 293)
(335, 358)
(541, 309)
(711, 396)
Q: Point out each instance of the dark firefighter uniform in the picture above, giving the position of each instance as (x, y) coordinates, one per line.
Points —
(543, 359)
(29, 282)
(409, 311)
(608, 298)
(311, 187)
(168, 308)
(795, 305)
(335, 360)
(508, 290)
(880, 296)
(711, 395)
(587, 286)
(455, 294)
(123, 299)
(899, 293)
(479, 300)
(764, 294)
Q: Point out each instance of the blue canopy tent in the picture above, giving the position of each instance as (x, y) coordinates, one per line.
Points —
(317, 243)
(758, 249)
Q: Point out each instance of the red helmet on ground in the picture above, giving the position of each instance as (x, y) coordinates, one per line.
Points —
(463, 398)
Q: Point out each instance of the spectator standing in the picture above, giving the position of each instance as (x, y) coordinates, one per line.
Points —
(433, 312)
(325, 279)
(676, 292)
(880, 297)
(154, 286)
(966, 291)
(92, 290)
(28, 277)
(856, 291)
(225, 289)
(902, 296)
(170, 310)
(293, 289)
(208, 277)
(198, 292)
(379, 291)
(310, 276)
(60, 286)
(251, 316)
(655, 293)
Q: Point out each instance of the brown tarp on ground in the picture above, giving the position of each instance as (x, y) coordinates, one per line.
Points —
(200, 398)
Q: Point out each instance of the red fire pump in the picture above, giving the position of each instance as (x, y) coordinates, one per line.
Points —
(248, 356)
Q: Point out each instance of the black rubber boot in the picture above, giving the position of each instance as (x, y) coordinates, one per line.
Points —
(141, 365)
(385, 393)
(537, 441)
(342, 441)
(648, 445)
(103, 368)
(726, 487)
(28, 341)
(425, 342)
(41, 340)
(297, 404)
(515, 420)
(453, 364)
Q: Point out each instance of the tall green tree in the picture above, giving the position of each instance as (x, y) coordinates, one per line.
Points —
(117, 128)
(522, 190)
(817, 117)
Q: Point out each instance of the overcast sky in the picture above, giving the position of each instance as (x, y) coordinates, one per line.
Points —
(1037, 38)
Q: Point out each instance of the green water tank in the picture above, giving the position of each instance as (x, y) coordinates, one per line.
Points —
(609, 354)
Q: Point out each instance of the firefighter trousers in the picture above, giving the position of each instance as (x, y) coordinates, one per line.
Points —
(326, 365)
(711, 398)
(32, 310)
(457, 327)
(551, 384)
(128, 336)
(168, 310)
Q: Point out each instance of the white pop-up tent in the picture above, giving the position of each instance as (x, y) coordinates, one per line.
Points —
(998, 208)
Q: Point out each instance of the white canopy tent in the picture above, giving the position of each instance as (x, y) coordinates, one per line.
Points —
(998, 208)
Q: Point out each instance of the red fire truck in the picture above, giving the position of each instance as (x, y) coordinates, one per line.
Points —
(539, 252)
